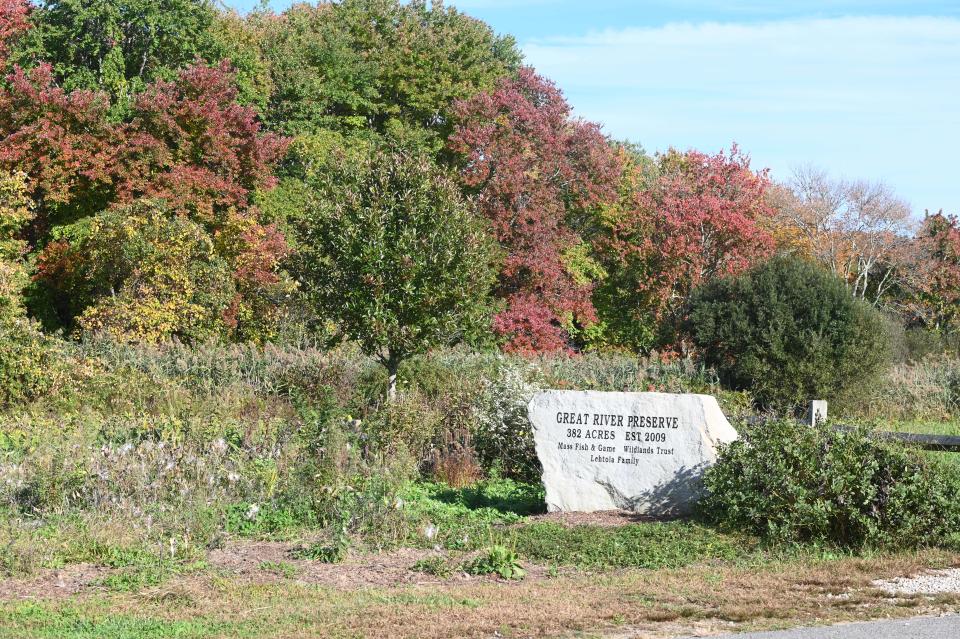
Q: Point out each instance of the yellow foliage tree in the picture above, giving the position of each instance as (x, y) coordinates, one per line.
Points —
(16, 210)
(150, 275)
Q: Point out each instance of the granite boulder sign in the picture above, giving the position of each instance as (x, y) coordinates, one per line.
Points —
(643, 452)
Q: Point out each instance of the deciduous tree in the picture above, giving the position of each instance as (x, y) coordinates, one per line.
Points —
(396, 256)
(13, 22)
(188, 142)
(64, 142)
(239, 39)
(934, 276)
(143, 273)
(380, 66)
(538, 175)
(694, 218)
(859, 230)
(118, 46)
(191, 143)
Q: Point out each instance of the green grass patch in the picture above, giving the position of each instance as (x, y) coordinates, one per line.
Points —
(467, 518)
(327, 553)
(502, 495)
(436, 566)
(50, 621)
(430, 601)
(925, 427)
(495, 513)
(281, 568)
(136, 577)
(268, 521)
(648, 545)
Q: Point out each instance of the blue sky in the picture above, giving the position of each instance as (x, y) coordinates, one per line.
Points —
(862, 89)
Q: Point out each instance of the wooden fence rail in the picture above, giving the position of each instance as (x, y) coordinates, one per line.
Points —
(941, 443)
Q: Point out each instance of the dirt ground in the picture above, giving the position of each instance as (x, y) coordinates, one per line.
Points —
(606, 518)
(247, 560)
(53, 584)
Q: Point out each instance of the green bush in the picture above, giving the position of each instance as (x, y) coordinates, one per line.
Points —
(788, 331)
(790, 482)
(28, 361)
(142, 273)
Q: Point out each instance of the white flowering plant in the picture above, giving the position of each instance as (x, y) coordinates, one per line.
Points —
(503, 436)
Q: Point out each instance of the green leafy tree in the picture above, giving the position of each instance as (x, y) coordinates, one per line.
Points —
(380, 66)
(238, 39)
(788, 331)
(117, 45)
(392, 252)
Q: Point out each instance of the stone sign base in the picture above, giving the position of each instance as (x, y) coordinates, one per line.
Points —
(643, 452)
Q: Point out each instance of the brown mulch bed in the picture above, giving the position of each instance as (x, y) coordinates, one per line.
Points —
(256, 561)
(605, 518)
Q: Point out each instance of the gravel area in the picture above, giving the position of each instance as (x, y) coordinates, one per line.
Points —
(918, 628)
(932, 582)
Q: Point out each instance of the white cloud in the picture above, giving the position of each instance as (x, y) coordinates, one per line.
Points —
(866, 96)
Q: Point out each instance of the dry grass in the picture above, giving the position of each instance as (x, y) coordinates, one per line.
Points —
(634, 603)
(924, 392)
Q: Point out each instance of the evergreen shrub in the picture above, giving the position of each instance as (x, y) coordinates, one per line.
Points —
(788, 331)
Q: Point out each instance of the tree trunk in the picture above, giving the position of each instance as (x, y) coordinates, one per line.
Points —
(392, 364)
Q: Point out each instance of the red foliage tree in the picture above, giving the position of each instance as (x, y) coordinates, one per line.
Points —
(936, 273)
(188, 142)
(191, 143)
(536, 173)
(700, 217)
(13, 21)
(63, 141)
